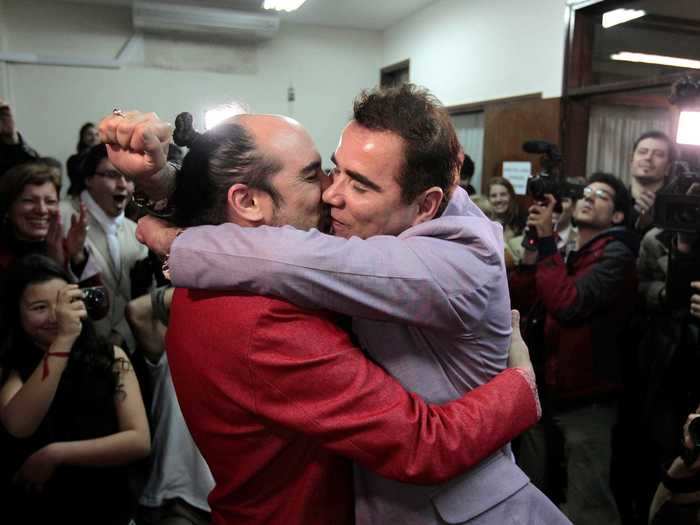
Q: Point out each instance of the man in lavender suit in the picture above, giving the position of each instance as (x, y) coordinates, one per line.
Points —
(420, 270)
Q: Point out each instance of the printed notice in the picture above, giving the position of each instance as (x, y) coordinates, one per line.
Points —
(517, 173)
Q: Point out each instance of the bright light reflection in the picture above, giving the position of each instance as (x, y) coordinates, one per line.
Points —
(689, 128)
(216, 116)
(620, 16)
(283, 5)
(685, 63)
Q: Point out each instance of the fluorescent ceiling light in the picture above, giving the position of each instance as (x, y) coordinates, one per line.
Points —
(620, 16)
(216, 116)
(685, 63)
(283, 5)
(689, 128)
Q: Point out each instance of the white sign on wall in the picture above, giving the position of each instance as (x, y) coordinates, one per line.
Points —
(517, 173)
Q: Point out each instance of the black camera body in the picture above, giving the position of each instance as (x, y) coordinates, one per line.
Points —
(674, 209)
(689, 456)
(550, 178)
(548, 181)
(96, 302)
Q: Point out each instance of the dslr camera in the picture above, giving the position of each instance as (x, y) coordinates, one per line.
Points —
(96, 301)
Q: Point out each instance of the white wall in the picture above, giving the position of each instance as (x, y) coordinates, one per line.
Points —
(464, 51)
(475, 50)
(327, 68)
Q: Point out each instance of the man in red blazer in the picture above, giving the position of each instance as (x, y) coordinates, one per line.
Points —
(275, 394)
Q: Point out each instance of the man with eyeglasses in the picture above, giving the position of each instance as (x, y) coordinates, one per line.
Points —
(580, 308)
(111, 246)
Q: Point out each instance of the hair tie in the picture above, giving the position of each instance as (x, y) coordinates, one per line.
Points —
(185, 134)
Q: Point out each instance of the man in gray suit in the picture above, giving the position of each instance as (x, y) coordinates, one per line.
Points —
(421, 271)
(111, 245)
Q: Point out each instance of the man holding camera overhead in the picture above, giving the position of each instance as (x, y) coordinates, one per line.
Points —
(579, 310)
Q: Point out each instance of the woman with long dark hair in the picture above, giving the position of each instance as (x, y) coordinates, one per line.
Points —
(70, 404)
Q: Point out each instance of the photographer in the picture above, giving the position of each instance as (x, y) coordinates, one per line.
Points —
(579, 310)
(69, 403)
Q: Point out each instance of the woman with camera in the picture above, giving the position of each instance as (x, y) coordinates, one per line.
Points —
(70, 404)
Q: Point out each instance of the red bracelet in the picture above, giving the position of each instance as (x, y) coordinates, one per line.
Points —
(45, 374)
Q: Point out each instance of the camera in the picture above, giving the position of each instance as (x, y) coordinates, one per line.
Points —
(677, 206)
(549, 180)
(689, 456)
(96, 301)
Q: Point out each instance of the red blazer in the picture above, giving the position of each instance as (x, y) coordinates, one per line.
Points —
(274, 394)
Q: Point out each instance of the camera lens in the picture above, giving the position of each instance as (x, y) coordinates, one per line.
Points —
(96, 302)
(694, 431)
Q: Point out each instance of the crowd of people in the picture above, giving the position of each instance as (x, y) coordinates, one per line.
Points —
(337, 346)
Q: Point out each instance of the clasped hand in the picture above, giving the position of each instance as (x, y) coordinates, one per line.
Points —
(70, 310)
(540, 216)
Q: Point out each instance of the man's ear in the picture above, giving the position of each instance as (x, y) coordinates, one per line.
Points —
(618, 218)
(244, 203)
(428, 204)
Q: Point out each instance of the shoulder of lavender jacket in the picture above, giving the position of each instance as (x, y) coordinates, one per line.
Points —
(437, 274)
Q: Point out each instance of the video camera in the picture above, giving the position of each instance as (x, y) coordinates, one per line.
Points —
(548, 181)
(677, 205)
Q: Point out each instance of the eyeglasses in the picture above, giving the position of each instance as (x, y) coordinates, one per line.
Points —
(598, 193)
(114, 175)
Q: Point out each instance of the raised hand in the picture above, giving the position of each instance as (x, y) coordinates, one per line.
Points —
(157, 234)
(8, 130)
(137, 143)
(643, 204)
(75, 238)
(70, 310)
(54, 239)
(540, 216)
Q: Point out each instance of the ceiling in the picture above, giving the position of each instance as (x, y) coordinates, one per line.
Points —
(669, 28)
(357, 14)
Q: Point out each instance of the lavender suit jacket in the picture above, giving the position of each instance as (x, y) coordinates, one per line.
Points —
(431, 306)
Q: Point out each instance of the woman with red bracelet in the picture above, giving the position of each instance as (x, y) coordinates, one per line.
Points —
(70, 405)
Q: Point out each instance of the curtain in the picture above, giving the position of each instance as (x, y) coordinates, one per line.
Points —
(612, 131)
(470, 132)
